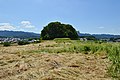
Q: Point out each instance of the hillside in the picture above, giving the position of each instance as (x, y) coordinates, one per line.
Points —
(19, 34)
(99, 36)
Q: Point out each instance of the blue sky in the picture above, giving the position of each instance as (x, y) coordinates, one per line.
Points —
(87, 16)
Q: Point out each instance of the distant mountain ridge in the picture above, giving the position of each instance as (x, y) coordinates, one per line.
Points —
(99, 36)
(19, 34)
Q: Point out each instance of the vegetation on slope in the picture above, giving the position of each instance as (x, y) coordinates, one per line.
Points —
(18, 34)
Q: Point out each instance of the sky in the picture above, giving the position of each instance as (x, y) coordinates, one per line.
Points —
(86, 16)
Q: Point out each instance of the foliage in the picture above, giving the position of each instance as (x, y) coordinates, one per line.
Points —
(23, 42)
(88, 37)
(62, 39)
(58, 30)
(6, 44)
(114, 57)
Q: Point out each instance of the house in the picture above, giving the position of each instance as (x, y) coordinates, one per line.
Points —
(118, 40)
(2, 40)
(83, 39)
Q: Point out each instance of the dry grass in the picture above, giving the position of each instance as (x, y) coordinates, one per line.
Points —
(19, 63)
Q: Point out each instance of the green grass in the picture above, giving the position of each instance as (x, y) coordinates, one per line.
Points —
(114, 57)
(62, 40)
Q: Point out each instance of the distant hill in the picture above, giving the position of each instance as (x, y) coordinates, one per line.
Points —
(99, 36)
(105, 36)
(19, 34)
(83, 34)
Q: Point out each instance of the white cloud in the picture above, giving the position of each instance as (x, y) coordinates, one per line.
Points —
(27, 24)
(6, 26)
(23, 26)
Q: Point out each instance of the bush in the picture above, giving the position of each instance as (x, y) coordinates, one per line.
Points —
(86, 48)
(23, 42)
(6, 44)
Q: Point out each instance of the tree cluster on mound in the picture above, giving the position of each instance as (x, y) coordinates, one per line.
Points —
(58, 30)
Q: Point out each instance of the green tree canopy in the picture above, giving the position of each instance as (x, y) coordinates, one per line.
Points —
(58, 30)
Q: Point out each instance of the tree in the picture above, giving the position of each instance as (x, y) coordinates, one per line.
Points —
(58, 30)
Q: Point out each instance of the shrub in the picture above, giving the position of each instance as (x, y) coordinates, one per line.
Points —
(86, 48)
(6, 44)
(23, 42)
(114, 56)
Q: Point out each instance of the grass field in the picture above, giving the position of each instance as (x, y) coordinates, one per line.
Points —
(60, 59)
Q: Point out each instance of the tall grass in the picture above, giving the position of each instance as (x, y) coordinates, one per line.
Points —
(114, 57)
